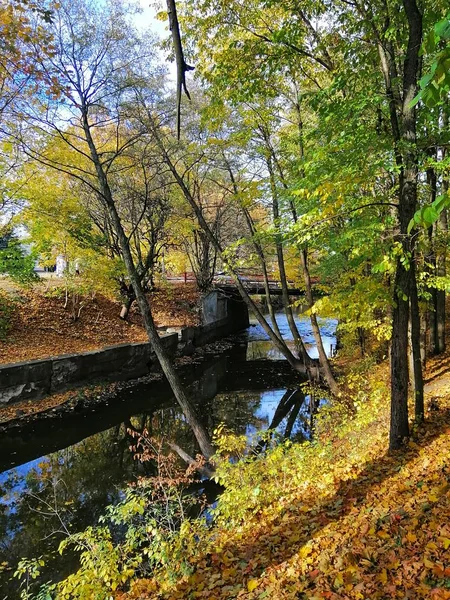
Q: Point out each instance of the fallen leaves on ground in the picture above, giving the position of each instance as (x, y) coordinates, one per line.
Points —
(41, 327)
(371, 526)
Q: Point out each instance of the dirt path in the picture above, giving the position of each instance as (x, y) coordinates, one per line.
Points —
(437, 376)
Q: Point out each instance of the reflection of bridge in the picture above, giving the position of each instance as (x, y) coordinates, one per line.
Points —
(256, 287)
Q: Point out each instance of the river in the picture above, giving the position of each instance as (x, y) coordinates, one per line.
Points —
(64, 472)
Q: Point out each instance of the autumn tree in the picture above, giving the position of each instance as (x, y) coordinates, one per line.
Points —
(179, 163)
(21, 23)
(98, 69)
(255, 44)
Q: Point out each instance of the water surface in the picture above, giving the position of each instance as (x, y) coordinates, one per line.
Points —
(59, 476)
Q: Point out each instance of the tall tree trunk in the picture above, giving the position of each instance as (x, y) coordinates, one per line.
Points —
(323, 358)
(415, 342)
(423, 338)
(269, 302)
(177, 387)
(169, 371)
(262, 261)
(407, 206)
(441, 270)
(431, 260)
(399, 427)
(281, 265)
(259, 252)
(442, 227)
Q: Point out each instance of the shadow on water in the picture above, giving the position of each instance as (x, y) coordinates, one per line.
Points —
(66, 470)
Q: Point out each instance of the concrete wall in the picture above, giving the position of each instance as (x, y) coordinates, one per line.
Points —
(37, 378)
(214, 308)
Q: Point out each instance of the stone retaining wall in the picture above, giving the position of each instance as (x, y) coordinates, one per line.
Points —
(35, 379)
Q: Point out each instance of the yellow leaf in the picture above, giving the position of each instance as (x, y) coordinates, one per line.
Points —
(445, 542)
(411, 537)
(383, 576)
(252, 584)
(227, 573)
(305, 551)
(383, 535)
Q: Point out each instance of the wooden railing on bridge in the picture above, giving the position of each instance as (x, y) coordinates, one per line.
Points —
(253, 284)
(257, 287)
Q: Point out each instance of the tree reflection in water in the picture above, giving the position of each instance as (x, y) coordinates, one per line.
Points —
(69, 488)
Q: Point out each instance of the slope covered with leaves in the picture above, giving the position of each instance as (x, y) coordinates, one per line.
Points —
(40, 326)
(337, 519)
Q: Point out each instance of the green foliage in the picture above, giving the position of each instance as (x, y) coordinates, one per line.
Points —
(15, 263)
(254, 482)
(29, 569)
(430, 213)
(435, 85)
(147, 531)
(103, 566)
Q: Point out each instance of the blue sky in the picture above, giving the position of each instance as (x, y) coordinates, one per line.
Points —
(147, 19)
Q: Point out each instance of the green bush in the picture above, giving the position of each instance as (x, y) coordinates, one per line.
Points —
(15, 263)
(149, 530)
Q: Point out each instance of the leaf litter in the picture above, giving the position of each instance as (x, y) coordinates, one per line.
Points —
(366, 525)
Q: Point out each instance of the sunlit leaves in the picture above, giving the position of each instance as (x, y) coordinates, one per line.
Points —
(430, 213)
(435, 84)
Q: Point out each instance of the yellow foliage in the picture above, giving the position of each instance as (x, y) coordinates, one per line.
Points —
(337, 518)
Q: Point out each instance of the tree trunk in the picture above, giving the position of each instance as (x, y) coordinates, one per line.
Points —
(423, 339)
(415, 342)
(323, 358)
(441, 269)
(399, 427)
(281, 266)
(432, 268)
(442, 227)
(169, 371)
(408, 163)
(262, 261)
(362, 341)
(176, 385)
(125, 310)
(270, 308)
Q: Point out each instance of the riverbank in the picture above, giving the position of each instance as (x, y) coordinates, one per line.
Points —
(352, 521)
(319, 520)
(86, 398)
(80, 459)
(39, 325)
(33, 380)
